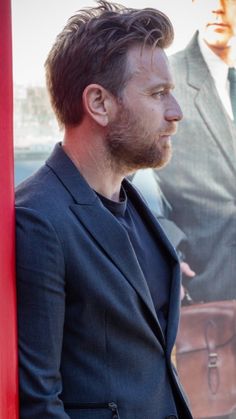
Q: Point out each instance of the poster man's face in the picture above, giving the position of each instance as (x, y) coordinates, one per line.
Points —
(217, 21)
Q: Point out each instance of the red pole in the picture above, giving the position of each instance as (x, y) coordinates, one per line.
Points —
(8, 345)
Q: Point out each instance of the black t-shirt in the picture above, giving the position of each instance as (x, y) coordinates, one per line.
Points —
(151, 254)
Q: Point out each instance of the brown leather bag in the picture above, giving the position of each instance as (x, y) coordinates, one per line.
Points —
(206, 357)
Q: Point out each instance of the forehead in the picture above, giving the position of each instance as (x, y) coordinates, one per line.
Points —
(147, 63)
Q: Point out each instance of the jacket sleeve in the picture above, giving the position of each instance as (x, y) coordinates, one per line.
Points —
(41, 306)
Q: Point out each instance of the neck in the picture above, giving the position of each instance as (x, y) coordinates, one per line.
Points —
(90, 156)
(224, 53)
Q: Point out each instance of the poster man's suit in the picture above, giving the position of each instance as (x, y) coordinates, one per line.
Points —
(203, 195)
(97, 330)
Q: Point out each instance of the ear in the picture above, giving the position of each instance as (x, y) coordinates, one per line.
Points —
(98, 103)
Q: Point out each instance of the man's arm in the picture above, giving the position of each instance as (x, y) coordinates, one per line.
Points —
(41, 307)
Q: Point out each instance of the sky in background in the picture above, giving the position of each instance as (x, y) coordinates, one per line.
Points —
(37, 22)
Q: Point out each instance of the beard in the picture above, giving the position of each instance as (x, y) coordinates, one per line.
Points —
(131, 145)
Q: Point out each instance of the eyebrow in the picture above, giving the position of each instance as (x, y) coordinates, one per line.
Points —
(169, 86)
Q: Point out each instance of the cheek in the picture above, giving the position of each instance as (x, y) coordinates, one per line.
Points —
(203, 14)
(157, 112)
(152, 118)
(233, 24)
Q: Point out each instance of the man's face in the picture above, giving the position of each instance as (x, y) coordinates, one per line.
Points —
(147, 114)
(217, 21)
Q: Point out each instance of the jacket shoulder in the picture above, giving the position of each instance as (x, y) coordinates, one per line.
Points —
(178, 62)
(42, 192)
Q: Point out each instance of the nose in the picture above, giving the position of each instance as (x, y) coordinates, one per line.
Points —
(173, 112)
(218, 6)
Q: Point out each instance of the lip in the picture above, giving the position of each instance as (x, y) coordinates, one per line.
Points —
(169, 134)
(165, 138)
(222, 25)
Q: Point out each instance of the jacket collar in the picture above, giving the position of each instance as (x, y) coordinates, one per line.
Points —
(70, 177)
(197, 70)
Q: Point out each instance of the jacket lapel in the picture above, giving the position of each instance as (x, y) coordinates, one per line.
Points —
(114, 240)
(174, 303)
(208, 104)
(174, 309)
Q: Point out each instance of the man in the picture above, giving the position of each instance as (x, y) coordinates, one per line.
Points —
(203, 196)
(98, 282)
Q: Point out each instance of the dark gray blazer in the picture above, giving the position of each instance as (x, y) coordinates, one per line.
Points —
(200, 181)
(90, 343)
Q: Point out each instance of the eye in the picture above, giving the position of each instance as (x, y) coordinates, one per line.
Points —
(160, 93)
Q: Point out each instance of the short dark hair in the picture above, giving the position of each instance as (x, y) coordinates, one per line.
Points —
(92, 48)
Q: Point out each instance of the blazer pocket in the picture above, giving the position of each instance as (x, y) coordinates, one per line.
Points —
(107, 410)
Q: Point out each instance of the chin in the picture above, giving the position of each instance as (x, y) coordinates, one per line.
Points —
(218, 39)
(163, 163)
(161, 160)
